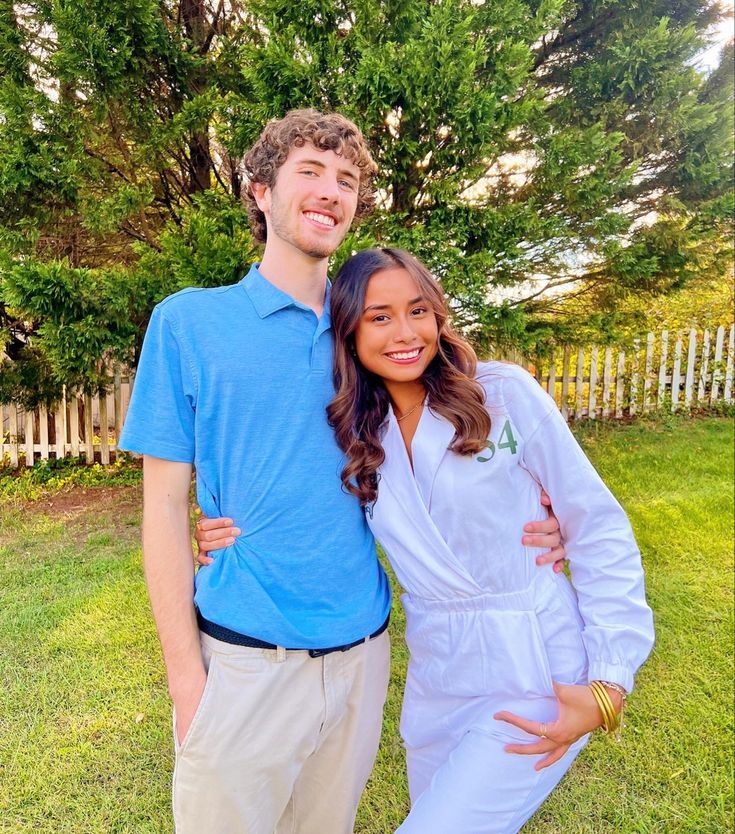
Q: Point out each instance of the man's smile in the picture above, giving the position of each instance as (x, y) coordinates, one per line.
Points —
(320, 218)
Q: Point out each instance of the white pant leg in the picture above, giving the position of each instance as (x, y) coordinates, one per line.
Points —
(479, 788)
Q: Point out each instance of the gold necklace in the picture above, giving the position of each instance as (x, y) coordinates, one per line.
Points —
(411, 411)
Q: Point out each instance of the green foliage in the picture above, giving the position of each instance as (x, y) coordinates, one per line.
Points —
(50, 477)
(704, 303)
(522, 145)
(209, 247)
(28, 379)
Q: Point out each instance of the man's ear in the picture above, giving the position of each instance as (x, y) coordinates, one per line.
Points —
(261, 193)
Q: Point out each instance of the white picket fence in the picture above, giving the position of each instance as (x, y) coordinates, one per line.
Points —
(662, 372)
(79, 426)
(676, 373)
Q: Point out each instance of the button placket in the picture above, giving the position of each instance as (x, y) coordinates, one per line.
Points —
(320, 354)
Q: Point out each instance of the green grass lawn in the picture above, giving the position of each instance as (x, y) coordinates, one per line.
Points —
(84, 717)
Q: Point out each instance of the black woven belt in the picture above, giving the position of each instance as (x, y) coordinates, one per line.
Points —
(226, 635)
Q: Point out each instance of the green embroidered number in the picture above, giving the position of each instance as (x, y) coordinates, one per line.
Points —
(507, 441)
(510, 442)
(491, 448)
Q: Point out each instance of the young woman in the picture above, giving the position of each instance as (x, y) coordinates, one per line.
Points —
(511, 668)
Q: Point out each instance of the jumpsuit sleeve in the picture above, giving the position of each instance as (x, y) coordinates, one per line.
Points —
(604, 559)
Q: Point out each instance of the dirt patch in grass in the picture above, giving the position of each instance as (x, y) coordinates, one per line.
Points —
(78, 500)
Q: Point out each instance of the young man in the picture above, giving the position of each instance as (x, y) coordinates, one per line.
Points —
(277, 656)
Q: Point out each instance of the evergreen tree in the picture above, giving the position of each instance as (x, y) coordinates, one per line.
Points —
(523, 145)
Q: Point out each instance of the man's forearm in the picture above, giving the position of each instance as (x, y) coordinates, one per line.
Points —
(169, 572)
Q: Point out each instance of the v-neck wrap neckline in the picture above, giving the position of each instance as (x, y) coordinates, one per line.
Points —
(429, 445)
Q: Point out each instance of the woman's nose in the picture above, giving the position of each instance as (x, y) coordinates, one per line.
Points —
(405, 331)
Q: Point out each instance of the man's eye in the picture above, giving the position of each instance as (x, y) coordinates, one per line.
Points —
(347, 184)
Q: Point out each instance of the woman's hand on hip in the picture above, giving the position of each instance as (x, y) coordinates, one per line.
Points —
(213, 534)
(578, 715)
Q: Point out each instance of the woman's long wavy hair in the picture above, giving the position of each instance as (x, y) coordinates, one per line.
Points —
(360, 405)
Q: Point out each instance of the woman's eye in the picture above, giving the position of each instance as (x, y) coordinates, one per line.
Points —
(418, 311)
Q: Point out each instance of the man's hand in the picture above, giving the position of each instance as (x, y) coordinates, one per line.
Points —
(187, 697)
(169, 573)
(546, 534)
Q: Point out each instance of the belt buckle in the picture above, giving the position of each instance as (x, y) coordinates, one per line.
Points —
(345, 648)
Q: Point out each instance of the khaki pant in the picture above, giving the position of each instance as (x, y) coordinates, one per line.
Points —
(281, 743)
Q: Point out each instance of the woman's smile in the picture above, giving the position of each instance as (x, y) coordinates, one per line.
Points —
(406, 357)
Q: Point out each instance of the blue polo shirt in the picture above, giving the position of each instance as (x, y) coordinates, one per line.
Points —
(236, 381)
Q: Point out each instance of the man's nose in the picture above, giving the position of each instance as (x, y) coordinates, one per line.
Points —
(329, 189)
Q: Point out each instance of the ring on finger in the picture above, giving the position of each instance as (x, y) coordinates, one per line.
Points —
(542, 728)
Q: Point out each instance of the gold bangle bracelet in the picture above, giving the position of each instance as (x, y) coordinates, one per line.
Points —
(600, 707)
(610, 718)
(606, 704)
(612, 712)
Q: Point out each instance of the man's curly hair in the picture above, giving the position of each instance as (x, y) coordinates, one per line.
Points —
(327, 132)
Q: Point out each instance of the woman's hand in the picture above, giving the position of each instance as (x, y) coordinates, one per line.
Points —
(214, 534)
(578, 715)
(546, 534)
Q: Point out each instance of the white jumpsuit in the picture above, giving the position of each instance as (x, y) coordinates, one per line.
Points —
(487, 629)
